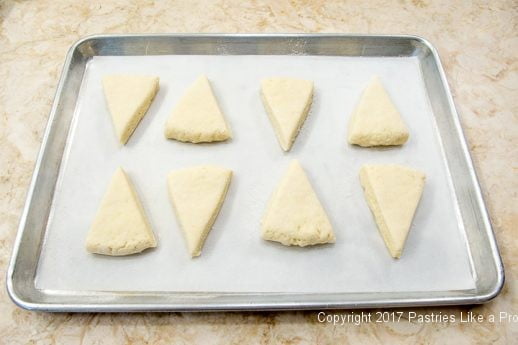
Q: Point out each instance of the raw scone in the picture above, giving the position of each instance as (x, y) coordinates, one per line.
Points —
(197, 117)
(393, 193)
(120, 226)
(128, 98)
(287, 102)
(294, 215)
(197, 194)
(376, 121)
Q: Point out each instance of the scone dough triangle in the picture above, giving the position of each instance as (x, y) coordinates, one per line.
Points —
(287, 102)
(120, 226)
(128, 98)
(197, 194)
(392, 193)
(197, 116)
(376, 121)
(294, 215)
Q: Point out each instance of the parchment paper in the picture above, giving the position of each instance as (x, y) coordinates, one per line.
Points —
(235, 258)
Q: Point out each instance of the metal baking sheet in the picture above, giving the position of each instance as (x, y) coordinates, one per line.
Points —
(450, 257)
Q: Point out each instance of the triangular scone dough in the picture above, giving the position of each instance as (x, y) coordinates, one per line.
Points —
(376, 121)
(393, 193)
(128, 98)
(197, 194)
(197, 117)
(294, 215)
(287, 102)
(120, 226)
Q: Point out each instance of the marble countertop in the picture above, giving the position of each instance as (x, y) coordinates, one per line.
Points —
(478, 44)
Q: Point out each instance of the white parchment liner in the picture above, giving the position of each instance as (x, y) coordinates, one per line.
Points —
(235, 258)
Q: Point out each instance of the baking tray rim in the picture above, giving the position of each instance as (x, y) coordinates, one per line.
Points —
(25, 303)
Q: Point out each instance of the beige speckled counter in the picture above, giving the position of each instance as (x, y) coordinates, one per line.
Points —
(477, 41)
